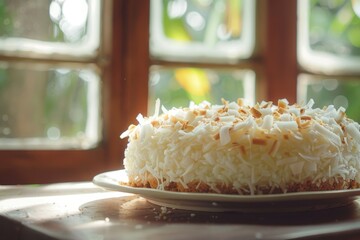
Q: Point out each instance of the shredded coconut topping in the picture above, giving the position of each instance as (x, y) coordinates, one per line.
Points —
(243, 146)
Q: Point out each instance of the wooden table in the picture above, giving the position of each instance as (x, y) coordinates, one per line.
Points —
(85, 211)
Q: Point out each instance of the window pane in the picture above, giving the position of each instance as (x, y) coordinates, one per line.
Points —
(62, 26)
(329, 35)
(202, 30)
(334, 27)
(331, 91)
(175, 87)
(48, 108)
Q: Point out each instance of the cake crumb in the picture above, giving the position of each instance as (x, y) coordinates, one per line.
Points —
(162, 214)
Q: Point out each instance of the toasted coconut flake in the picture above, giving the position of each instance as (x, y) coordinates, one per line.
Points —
(188, 127)
(243, 111)
(256, 113)
(243, 150)
(265, 111)
(128, 131)
(240, 102)
(276, 115)
(303, 121)
(265, 104)
(224, 101)
(223, 110)
(259, 141)
(203, 111)
(306, 118)
(216, 136)
(173, 119)
(274, 148)
(155, 123)
(283, 103)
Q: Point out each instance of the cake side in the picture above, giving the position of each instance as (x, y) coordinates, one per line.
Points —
(242, 149)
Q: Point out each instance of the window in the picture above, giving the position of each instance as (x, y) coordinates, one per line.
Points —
(217, 35)
(50, 87)
(208, 50)
(50, 105)
(202, 31)
(329, 53)
(125, 54)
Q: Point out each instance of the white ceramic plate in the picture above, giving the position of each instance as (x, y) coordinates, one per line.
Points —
(289, 202)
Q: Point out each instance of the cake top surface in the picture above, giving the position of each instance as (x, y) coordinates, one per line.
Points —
(267, 117)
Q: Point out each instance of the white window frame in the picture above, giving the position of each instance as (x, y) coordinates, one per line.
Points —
(320, 62)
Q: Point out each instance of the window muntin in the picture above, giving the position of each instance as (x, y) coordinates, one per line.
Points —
(202, 30)
(60, 29)
(49, 107)
(329, 36)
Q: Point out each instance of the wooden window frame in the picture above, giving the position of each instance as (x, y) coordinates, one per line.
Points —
(125, 89)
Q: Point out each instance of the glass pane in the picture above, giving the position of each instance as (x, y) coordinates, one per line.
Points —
(202, 30)
(43, 26)
(334, 27)
(175, 87)
(329, 35)
(48, 108)
(331, 91)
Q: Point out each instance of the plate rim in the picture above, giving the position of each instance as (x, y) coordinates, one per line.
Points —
(109, 181)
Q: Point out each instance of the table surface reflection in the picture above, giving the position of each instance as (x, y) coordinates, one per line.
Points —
(84, 211)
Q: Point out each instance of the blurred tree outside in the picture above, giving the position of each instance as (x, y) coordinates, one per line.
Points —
(38, 101)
